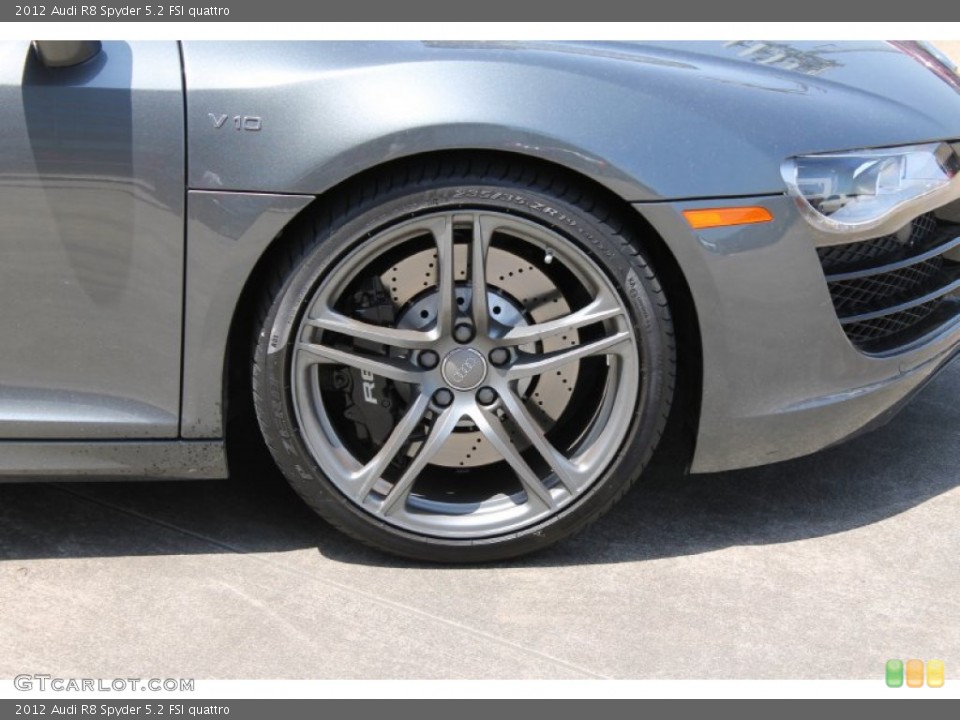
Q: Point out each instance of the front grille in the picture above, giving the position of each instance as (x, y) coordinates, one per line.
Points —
(870, 331)
(890, 290)
(873, 292)
(859, 254)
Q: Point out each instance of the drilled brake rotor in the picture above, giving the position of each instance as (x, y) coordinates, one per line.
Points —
(519, 293)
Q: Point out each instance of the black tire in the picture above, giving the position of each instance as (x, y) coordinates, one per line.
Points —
(302, 416)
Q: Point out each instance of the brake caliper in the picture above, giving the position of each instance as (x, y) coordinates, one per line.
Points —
(370, 401)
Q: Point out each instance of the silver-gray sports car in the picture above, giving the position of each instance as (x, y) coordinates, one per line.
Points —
(464, 290)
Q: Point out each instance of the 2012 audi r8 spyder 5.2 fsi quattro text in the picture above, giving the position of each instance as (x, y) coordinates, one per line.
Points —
(464, 290)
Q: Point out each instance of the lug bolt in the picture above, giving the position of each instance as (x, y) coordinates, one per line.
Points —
(428, 359)
(486, 396)
(442, 397)
(463, 333)
(499, 356)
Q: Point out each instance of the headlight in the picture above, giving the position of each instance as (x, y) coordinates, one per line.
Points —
(860, 190)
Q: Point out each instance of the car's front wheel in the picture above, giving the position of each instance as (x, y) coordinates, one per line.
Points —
(464, 364)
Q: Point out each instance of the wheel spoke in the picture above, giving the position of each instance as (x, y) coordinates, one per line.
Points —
(489, 425)
(540, 364)
(482, 232)
(602, 308)
(442, 231)
(442, 426)
(365, 478)
(566, 472)
(398, 370)
(358, 330)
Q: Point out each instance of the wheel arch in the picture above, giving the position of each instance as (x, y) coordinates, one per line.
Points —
(239, 423)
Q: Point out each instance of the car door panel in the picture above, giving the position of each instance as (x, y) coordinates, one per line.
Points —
(91, 246)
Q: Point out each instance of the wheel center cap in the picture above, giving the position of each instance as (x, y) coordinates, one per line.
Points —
(464, 368)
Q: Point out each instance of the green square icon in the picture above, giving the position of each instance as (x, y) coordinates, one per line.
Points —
(894, 673)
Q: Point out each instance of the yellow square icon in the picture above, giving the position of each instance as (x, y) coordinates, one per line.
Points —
(914, 673)
(935, 673)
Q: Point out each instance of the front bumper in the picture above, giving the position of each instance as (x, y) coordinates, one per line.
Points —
(781, 378)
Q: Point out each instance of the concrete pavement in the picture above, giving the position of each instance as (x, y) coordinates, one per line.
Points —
(822, 567)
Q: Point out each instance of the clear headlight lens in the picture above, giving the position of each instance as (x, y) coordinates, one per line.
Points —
(858, 190)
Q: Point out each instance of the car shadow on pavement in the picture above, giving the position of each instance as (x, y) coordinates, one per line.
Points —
(866, 480)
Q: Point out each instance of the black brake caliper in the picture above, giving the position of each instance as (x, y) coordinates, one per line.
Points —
(369, 401)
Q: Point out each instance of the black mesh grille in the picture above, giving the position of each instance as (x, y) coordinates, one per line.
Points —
(854, 256)
(917, 272)
(870, 331)
(845, 257)
(852, 297)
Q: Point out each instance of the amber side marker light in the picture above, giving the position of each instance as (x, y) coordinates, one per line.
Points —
(723, 217)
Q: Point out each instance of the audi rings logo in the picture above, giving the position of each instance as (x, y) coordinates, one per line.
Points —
(461, 373)
(464, 368)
